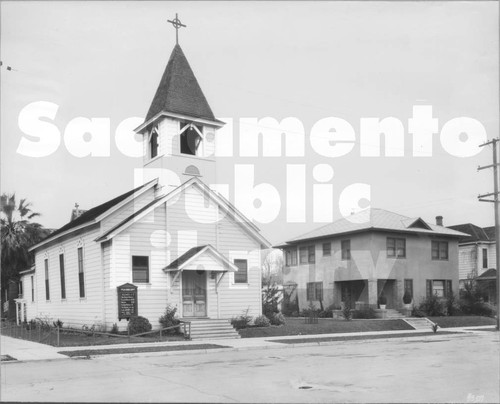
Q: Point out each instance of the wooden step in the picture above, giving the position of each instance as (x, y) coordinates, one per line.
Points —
(212, 329)
(419, 323)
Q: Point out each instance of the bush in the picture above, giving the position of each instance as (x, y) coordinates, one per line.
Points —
(482, 309)
(138, 325)
(277, 319)
(416, 312)
(382, 299)
(365, 313)
(262, 321)
(311, 311)
(433, 306)
(407, 297)
(347, 312)
(114, 329)
(242, 321)
(58, 323)
(327, 313)
(451, 305)
(168, 319)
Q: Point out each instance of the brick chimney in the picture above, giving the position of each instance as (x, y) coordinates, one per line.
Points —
(439, 220)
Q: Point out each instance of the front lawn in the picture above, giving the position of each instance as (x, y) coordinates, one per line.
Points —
(297, 326)
(462, 321)
(78, 339)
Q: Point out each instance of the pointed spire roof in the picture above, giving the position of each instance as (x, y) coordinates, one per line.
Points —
(179, 91)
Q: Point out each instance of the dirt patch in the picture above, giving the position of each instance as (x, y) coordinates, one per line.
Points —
(95, 352)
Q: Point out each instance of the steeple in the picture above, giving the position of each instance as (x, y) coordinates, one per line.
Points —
(179, 91)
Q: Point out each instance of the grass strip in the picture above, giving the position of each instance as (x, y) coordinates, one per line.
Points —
(127, 350)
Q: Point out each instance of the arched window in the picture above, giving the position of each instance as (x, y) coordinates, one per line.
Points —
(190, 138)
(153, 143)
(192, 170)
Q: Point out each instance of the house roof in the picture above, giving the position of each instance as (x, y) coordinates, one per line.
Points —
(475, 233)
(195, 252)
(488, 275)
(90, 216)
(179, 91)
(376, 219)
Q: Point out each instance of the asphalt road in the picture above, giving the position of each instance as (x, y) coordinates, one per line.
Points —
(446, 368)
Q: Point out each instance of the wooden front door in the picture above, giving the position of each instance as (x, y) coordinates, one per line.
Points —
(194, 294)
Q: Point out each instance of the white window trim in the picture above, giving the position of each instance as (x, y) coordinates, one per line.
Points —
(182, 130)
(239, 255)
(132, 269)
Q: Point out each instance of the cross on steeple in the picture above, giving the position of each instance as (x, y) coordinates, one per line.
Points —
(177, 25)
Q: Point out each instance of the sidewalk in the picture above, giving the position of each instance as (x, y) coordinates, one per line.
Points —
(23, 350)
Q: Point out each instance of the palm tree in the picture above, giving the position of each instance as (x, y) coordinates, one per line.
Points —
(18, 233)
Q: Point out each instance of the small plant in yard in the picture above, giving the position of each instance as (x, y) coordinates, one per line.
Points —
(114, 329)
(433, 306)
(407, 297)
(382, 300)
(347, 312)
(58, 323)
(278, 319)
(242, 321)
(434, 327)
(138, 325)
(169, 319)
(262, 321)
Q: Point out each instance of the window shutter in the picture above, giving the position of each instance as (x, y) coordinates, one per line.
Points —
(448, 289)
(429, 287)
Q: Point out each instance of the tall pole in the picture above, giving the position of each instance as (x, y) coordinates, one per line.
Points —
(493, 142)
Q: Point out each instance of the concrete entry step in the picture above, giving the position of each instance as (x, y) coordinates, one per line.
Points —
(419, 323)
(211, 329)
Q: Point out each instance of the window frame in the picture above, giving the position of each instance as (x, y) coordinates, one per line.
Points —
(140, 268)
(485, 258)
(328, 251)
(47, 284)
(436, 247)
(81, 272)
(62, 276)
(32, 288)
(395, 254)
(237, 274)
(303, 255)
(185, 129)
(408, 286)
(314, 291)
(153, 144)
(345, 252)
(311, 254)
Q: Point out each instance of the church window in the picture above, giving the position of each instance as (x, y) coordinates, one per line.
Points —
(191, 139)
(140, 269)
(153, 144)
(81, 276)
(241, 276)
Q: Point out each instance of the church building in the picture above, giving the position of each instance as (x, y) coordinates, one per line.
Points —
(173, 240)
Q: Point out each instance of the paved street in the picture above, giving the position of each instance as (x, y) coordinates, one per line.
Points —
(437, 368)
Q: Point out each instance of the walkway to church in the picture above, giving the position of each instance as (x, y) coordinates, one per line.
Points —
(15, 350)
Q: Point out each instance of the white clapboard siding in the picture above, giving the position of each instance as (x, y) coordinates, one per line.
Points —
(168, 138)
(127, 210)
(73, 310)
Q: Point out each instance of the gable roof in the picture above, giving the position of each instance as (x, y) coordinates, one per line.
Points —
(179, 91)
(195, 252)
(251, 229)
(376, 219)
(488, 275)
(92, 215)
(475, 233)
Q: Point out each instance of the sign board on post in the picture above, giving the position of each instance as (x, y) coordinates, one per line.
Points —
(127, 301)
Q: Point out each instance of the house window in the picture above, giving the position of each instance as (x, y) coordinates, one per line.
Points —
(190, 138)
(291, 258)
(439, 250)
(81, 276)
(346, 249)
(153, 143)
(439, 288)
(327, 249)
(485, 258)
(47, 291)
(21, 289)
(32, 288)
(315, 291)
(241, 276)
(311, 254)
(396, 247)
(303, 255)
(63, 278)
(140, 269)
(409, 287)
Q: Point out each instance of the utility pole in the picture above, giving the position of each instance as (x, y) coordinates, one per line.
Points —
(493, 142)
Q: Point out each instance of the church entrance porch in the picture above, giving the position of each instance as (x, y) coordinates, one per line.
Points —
(194, 293)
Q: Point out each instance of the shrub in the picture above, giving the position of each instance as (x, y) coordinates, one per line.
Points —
(114, 329)
(311, 311)
(365, 313)
(169, 319)
(138, 325)
(327, 313)
(382, 299)
(262, 321)
(416, 312)
(277, 319)
(271, 296)
(407, 297)
(451, 305)
(347, 312)
(58, 323)
(433, 306)
(242, 321)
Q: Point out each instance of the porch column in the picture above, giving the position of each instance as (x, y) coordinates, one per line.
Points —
(372, 293)
(399, 292)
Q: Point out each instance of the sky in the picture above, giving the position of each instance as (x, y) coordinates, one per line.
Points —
(308, 60)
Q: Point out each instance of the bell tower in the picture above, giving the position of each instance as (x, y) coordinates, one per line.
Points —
(179, 132)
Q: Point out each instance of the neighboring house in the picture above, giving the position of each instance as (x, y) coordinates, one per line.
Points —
(374, 252)
(174, 238)
(477, 257)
